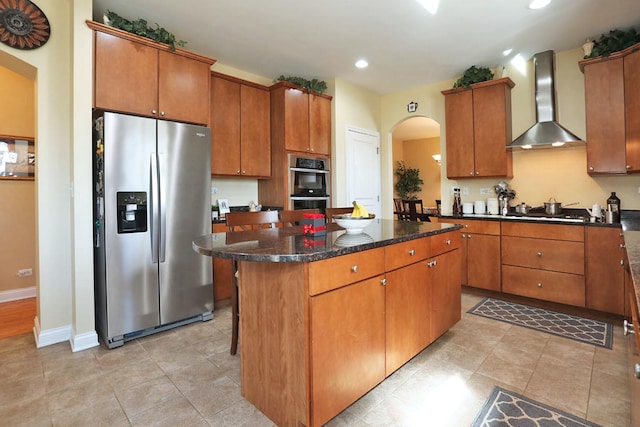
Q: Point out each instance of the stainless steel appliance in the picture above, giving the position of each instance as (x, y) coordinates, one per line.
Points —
(151, 185)
(310, 183)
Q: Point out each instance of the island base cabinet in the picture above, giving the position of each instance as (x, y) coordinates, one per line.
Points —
(446, 293)
(347, 346)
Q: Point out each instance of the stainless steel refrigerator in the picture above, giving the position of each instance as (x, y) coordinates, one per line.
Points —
(152, 198)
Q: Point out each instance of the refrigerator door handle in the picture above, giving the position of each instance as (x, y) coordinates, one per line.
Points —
(162, 183)
(155, 208)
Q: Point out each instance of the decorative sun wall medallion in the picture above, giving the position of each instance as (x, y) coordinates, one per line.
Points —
(23, 25)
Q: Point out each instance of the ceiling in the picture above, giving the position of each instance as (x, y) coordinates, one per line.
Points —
(404, 44)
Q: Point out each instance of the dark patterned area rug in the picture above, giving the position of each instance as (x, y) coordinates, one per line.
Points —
(505, 408)
(564, 325)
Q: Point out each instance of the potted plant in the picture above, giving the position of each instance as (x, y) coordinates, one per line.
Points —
(615, 41)
(473, 75)
(409, 182)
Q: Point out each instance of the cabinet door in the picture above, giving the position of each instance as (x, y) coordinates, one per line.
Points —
(116, 58)
(446, 305)
(225, 127)
(492, 131)
(319, 125)
(459, 138)
(604, 102)
(255, 143)
(348, 346)
(483, 261)
(296, 120)
(407, 313)
(632, 109)
(183, 88)
(605, 270)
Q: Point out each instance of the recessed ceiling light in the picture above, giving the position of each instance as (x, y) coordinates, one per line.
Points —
(539, 4)
(361, 63)
(430, 5)
(506, 52)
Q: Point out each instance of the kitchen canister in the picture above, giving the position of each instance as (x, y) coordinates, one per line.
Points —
(493, 206)
(479, 207)
(467, 208)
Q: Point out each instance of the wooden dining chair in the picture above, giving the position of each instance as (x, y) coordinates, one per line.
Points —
(237, 221)
(330, 212)
(398, 209)
(414, 210)
(290, 218)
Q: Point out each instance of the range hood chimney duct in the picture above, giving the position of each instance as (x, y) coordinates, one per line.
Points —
(546, 132)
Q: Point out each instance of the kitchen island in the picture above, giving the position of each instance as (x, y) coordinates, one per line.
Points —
(324, 319)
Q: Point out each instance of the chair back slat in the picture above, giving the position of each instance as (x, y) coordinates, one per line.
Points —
(413, 209)
(289, 218)
(250, 220)
(330, 212)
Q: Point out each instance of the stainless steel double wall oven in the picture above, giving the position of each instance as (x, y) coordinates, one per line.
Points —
(310, 182)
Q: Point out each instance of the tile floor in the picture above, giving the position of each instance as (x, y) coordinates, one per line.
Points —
(186, 377)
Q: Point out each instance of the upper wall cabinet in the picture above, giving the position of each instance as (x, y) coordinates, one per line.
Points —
(136, 75)
(301, 119)
(612, 98)
(240, 124)
(478, 129)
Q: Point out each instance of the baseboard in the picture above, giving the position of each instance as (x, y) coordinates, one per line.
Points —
(50, 336)
(17, 294)
(84, 341)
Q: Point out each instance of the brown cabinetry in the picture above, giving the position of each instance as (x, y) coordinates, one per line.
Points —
(612, 101)
(444, 277)
(478, 129)
(544, 261)
(605, 254)
(136, 75)
(240, 124)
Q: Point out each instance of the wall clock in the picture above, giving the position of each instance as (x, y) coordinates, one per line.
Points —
(23, 25)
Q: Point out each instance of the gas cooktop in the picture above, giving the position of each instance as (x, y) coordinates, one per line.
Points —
(542, 216)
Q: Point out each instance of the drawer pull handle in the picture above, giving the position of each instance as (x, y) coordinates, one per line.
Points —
(622, 245)
(412, 252)
(448, 242)
(627, 327)
(354, 268)
(383, 282)
(466, 226)
(539, 254)
(539, 284)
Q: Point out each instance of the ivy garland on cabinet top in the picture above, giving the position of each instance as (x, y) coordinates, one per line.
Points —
(315, 85)
(473, 75)
(615, 41)
(140, 27)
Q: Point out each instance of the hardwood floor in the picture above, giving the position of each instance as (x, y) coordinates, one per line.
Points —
(16, 317)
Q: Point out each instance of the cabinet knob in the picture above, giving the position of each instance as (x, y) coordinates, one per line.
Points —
(238, 171)
(412, 252)
(464, 236)
(628, 167)
(448, 242)
(591, 169)
(435, 262)
(354, 268)
(471, 173)
(154, 112)
(627, 327)
(636, 370)
(477, 173)
(622, 245)
(468, 236)
(383, 282)
(539, 254)
(162, 113)
(539, 284)
(466, 226)
(244, 172)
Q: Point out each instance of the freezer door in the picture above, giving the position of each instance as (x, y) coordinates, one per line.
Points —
(131, 276)
(186, 284)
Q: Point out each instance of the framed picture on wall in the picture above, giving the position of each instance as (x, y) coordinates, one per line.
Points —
(17, 158)
(223, 206)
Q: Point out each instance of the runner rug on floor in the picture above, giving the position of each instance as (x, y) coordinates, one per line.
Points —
(506, 408)
(564, 325)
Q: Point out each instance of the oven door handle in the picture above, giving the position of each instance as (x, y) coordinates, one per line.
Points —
(310, 198)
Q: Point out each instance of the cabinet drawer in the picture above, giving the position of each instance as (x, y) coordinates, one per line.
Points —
(555, 255)
(336, 272)
(563, 288)
(405, 253)
(544, 231)
(445, 242)
(477, 226)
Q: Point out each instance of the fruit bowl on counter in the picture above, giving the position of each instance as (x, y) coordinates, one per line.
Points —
(353, 225)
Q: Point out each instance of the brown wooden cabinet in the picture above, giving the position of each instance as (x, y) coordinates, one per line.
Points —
(136, 75)
(302, 119)
(612, 101)
(544, 261)
(240, 128)
(605, 254)
(478, 129)
(444, 277)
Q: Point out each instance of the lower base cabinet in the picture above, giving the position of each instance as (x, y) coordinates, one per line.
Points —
(446, 293)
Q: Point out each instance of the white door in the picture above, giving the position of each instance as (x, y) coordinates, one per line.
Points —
(363, 168)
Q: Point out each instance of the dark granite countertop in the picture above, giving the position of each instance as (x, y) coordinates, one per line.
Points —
(290, 244)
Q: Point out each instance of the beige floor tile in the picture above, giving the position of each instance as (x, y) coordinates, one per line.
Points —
(508, 369)
(106, 412)
(240, 414)
(213, 397)
(130, 374)
(72, 375)
(21, 369)
(17, 390)
(176, 412)
(140, 397)
(113, 359)
(30, 412)
(80, 396)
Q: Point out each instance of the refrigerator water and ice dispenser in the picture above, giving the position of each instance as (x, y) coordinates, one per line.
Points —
(132, 212)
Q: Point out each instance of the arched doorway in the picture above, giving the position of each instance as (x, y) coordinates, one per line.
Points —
(415, 141)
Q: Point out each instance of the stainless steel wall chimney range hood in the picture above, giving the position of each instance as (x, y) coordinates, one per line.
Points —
(546, 132)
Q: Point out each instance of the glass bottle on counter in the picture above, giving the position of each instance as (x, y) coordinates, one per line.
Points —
(613, 204)
(457, 202)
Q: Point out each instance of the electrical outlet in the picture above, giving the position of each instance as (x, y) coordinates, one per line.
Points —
(214, 190)
(465, 191)
(485, 191)
(25, 272)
